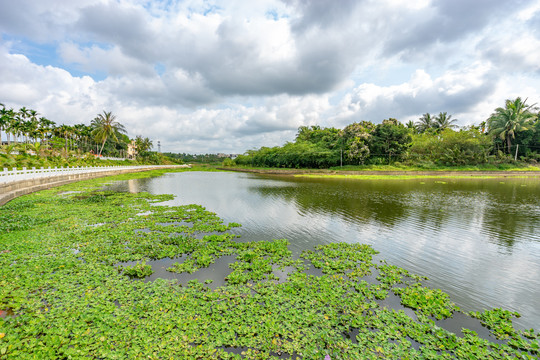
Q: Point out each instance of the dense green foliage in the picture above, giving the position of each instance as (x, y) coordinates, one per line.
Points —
(33, 155)
(104, 136)
(448, 147)
(66, 290)
(197, 158)
(431, 141)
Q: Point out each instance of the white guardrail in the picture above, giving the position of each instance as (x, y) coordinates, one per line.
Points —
(8, 176)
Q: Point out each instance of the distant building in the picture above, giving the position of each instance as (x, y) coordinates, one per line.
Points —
(131, 150)
(221, 155)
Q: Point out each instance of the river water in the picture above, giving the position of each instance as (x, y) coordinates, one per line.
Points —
(476, 239)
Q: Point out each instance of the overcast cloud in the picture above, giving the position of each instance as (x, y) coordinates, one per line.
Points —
(227, 76)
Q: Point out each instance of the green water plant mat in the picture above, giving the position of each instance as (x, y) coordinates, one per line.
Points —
(67, 291)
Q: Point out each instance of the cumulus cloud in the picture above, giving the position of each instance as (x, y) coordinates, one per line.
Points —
(95, 59)
(41, 21)
(446, 21)
(50, 90)
(455, 91)
(226, 76)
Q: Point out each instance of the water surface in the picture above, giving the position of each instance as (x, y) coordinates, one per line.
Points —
(476, 239)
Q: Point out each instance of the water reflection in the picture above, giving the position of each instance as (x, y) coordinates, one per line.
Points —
(475, 239)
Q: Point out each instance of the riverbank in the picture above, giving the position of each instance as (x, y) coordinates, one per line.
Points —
(371, 174)
(13, 189)
(67, 291)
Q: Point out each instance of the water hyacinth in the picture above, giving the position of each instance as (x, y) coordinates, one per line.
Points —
(66, 295)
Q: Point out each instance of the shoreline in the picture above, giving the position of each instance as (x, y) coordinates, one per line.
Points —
(382, 173)
(12, 190)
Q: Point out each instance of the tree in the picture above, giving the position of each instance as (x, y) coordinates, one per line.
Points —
(65, 132)
(105, 126)
(8, 120)
(142, 145)
(32, 125)
(45, 127)
(444, 121)
(411, 126)
(425, 123)
(6, 117)
(391, 138)
(449, 147)
(356, 138)
(515, 117)
(324, 137)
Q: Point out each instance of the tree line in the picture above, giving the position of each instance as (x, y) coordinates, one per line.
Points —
(510, 132)
(25, 128)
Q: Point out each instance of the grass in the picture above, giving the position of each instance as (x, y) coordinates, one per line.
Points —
(433, 167)
(64, 293)
(401, 177)
(406, 168)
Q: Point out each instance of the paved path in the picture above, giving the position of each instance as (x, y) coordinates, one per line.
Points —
(21, 182)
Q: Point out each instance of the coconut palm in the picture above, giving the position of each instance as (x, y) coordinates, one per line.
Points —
(515, 117)
(444, 121)
(411, 125)
(425, 123)
(142, 144)
(105, 126)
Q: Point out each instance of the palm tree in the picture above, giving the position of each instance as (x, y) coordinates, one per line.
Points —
(5, 120)
(515, 117)
(425, 123)
(142, 144)
(32, 127)
(45, 127)
(65, 131)
(444, 121)
(105, 126)
(411, 125)
(10, 118)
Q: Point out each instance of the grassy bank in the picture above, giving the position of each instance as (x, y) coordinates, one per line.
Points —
(401, 167)
(392, 172)
(66, 292)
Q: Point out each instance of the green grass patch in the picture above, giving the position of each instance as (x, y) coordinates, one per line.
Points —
(432, 167)
(399, 177)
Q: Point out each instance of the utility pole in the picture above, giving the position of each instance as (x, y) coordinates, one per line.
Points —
(517, 147)
(159, 147)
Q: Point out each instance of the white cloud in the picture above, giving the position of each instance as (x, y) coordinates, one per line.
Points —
(227, 76)
(95, 59)
(456, 91)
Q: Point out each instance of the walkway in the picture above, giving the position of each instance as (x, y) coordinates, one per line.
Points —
(15, 183)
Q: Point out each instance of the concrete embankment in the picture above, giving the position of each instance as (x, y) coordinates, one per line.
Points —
(12, 190)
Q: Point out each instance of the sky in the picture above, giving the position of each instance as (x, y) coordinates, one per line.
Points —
(204, 76)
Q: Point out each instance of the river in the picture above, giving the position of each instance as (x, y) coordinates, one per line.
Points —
(476, 239)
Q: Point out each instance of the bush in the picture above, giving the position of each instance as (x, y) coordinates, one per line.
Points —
(228, 162)
(450, 147)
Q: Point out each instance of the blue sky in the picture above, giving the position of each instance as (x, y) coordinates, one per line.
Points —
(227, 76)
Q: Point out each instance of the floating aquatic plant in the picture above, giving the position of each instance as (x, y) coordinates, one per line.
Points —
(61, 303)
(139, 270)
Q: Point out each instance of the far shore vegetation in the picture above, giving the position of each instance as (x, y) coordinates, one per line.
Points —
(35, 141)
(509, 139)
